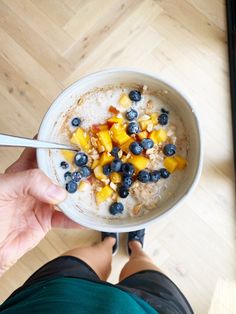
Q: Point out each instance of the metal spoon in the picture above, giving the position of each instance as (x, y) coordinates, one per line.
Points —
(16, 141)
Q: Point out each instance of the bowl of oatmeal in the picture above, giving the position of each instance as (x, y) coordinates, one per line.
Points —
(138, 149)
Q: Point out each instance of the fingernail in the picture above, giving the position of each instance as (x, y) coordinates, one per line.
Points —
(56, 193)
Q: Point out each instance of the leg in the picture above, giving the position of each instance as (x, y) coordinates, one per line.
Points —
(98, 256)
(138, 261)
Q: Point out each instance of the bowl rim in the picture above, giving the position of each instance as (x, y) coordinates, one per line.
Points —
(191, 187)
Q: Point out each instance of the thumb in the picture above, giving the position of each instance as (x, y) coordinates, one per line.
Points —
(31, 182)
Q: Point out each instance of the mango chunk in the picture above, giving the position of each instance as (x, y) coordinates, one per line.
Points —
(81, 139)
(113, 110)
(125, 147)
(170, 164)
(103, 127)
(142, 135)
(104, 194)
(115, 177)
(101, 148)
(95, 163)
(124, 101)
(122, 138)
(98, 172)
(105, 139)
(118, 134)
(83, 185)
(154, 117)
(68, 155)
(144, 124)
(113, 120)
(181, 162)
(124, 158)
(158, 136)
(95, 128)
(106, 158)
(116, 129)
(139, 162)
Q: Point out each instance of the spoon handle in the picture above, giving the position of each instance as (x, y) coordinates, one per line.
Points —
(16, 141)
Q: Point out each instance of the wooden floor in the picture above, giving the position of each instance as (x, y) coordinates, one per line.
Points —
(48, 44)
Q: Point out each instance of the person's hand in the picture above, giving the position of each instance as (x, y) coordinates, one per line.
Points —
(27, 212)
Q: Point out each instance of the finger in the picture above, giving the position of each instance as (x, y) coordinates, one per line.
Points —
(31, 182)
(27, 160)
(59, 220)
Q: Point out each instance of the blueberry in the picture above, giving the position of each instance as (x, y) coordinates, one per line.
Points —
(85, 171)
(164, 173)
(81, 159)
(133, 128)
(67, 175)
(76, 176)
(163, 119)
(115, 151)
(169, 149)
(135, 95)
(64, 165)
(135, 148)
(107, 169)
(71, 186)
(131, 114)
(127, 169)
(116, 165)
(127, 182)
(143, 176)
(164, 111)
(116, 208)
(147, 143)
(76, 121)
(123, 191)
(155, 176)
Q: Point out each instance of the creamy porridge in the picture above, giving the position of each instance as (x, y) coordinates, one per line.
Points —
(132, 151)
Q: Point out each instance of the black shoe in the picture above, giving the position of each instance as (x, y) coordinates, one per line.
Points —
(115, 236)
(137, 235)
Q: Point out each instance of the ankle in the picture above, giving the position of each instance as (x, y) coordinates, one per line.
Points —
(135, 247)
(109, 241)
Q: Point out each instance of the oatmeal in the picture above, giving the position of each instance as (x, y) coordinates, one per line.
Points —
(132, 151)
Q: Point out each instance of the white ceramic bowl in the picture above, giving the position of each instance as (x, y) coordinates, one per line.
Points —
(182, 105)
